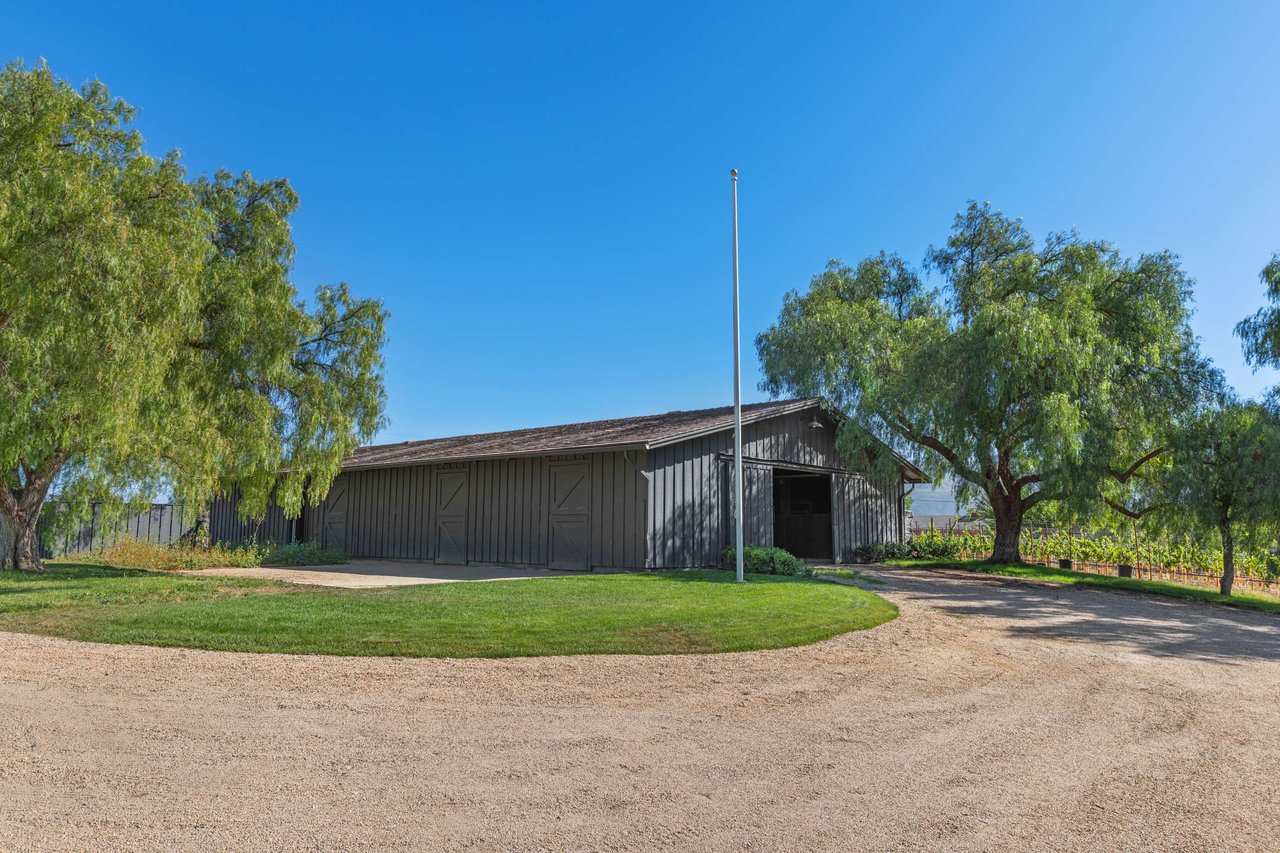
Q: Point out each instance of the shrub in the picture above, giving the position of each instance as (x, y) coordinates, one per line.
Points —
(934, 545)
(928, 545)
(766, 561)
(878, 552)
(302, 554)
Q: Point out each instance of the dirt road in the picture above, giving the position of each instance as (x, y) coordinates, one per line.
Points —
(993, 714)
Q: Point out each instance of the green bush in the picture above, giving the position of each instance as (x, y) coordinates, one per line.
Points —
(878, 552)
(302, 554)
(766, 561)
(935, 545)
(928, 545)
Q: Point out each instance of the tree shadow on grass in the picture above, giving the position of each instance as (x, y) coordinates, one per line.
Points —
(1145, 623)
(70, 571)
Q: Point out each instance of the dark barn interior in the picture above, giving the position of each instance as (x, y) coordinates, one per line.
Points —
(802, 513)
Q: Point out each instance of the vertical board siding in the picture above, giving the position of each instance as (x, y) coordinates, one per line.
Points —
(669, 507)
(228, 528)
(390, 512)
(863, 512)
(690, 488)
(690, 497)
(757, 498)
(162, 524)
(689, 517)
(789, 438)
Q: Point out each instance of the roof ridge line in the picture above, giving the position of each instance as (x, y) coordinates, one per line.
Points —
(601, 421)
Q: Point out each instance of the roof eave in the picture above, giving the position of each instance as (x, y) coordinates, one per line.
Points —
(468, 457)
(910, 473)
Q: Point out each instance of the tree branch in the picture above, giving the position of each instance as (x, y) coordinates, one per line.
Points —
(1123, 476)
(1136, 515)
(1038, 497)
(903, 426)
(37, 483)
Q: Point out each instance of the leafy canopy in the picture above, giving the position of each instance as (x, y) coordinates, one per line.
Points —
(1227, 456)
(1034, 372)
(1224, 479)
(150, 334)
(1261, 332)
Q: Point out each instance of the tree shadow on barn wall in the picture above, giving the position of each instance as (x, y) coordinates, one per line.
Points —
(1150, 624)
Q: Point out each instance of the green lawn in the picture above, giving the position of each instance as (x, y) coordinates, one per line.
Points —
(649, 613)
(1246, 601)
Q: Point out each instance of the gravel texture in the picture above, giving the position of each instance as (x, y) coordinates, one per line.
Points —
(992, 714)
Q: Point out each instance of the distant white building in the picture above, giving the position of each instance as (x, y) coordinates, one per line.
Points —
(936, 506)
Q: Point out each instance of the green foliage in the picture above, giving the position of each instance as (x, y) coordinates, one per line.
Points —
(879, 552)
(933, 544)
(1182, 552)
(647, 613)
(131, 553)
(150, 334)
(1224, 479)
(1261, 332)
(930, 544)
(301, 554)
(766, 561)
(1225, 474)
(1033, 374)
(1259, 603)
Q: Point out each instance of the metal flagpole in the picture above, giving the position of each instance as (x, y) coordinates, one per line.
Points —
(737, 392)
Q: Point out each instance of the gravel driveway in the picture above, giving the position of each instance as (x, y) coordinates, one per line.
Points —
(993, 714)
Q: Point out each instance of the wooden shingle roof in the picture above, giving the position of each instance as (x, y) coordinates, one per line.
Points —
(645, 431)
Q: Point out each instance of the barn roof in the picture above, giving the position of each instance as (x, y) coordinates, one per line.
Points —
(645, 431)
(618, 433)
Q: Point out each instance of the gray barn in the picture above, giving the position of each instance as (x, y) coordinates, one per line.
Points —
(645, 492)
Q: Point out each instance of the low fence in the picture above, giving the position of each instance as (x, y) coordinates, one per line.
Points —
(162, 524)
(922, 523)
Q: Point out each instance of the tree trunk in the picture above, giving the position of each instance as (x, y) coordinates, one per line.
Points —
(1008, 516)
(1228, 560)
(19, 543)
(8, 537)
(20, 514)
(198, 535)
(202, 527)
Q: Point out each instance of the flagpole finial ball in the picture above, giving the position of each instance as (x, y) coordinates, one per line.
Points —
(733, 172)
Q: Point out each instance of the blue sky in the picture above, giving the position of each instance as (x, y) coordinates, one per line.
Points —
(539, 192)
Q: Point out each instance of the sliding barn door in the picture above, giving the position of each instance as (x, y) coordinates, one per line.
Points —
(570, 516)
(757, 493)
(452, 493)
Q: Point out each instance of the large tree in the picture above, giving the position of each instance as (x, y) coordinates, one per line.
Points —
(150, 335)
(1034, 373)
(1224, 480)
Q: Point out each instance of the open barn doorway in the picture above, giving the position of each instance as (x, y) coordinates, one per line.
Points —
(802, 513)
